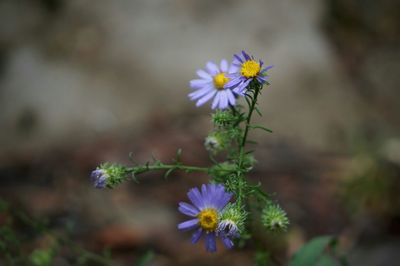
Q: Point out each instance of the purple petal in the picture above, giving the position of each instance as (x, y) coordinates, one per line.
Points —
(205, 195)
(198, 83)
(233, 83)
(241, 88)
(238, 58)
(246, 56)
(216, 100)
(266, 69)
(211, 243)
(196, 235)
(231, 98)
(188, 209)
(233, 69)
(188, 225)
(200, 92)
(223, 101)
(212, 68)
(202, 74)
(224, 65)
(196, 198)
(227, 242)
(261, 79)
(205, 98)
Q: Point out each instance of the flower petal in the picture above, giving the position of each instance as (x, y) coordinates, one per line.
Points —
(224, 65)
(188, 225)
(211, 243)
(238, 58)
(212, 68)
(205, 98)
(216, 100)
(196, 235)
(228, 243)
(196, 198)
(202, 74)
(246, 56)
(198, 83)
(233, 83)
(188, 209)
(223, 101)
(231, 98)
(200, 92)
(266, 69)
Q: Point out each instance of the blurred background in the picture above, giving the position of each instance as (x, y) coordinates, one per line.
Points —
(83, 82)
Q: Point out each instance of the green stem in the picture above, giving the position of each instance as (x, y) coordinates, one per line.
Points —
(243, 142)
(142, 169)
(248, 119)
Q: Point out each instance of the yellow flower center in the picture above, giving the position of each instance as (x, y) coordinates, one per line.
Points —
(220, 80)
(208, 219)
(250, 69)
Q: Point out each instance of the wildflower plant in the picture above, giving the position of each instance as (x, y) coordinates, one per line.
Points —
(219, 209)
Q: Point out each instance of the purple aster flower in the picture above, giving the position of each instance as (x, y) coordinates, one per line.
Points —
(207, 206)
(245, 69)
(211, 84)
(99, 178)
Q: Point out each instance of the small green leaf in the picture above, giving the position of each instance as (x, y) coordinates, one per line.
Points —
(258, 110)
(311, 252)
(145, 259)
(166, 175)
(260, 127)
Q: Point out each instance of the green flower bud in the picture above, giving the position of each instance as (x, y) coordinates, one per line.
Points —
(274, 218)
(214, 142)
(223, 118)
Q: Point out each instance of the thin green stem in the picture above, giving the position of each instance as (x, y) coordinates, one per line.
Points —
(145, 168)
(247, 127)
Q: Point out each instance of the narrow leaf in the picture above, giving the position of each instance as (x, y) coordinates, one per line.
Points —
(311, 252)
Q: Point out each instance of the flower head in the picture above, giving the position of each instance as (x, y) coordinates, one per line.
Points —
(99, 178)
(246, 69)
(231, 223)
(108, 175)
(212, 84)
(205, 209)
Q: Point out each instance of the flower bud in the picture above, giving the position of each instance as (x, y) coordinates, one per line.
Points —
(108, 175)
(274, 218)
(231, 221)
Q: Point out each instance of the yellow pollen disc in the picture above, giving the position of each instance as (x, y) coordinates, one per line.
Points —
(250, 69)
(220, 80)
(208, 219)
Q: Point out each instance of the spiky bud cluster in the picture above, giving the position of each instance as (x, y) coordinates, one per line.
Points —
(274, 218)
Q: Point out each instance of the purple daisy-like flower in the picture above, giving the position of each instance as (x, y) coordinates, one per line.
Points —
(211, 84)
(99, 178)
(245, 69)
(206, 208)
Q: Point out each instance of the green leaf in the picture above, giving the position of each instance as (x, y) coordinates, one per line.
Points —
(326, 260)
(260, 127)
(166, 175)
(311, 252)
(257, 110)
(145, 259)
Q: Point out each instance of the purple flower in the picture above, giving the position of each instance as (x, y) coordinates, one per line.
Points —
(245, 69)
(206, 209)
(211, 84)
(99, 178)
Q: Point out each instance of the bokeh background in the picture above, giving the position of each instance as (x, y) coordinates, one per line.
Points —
(83, 82)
